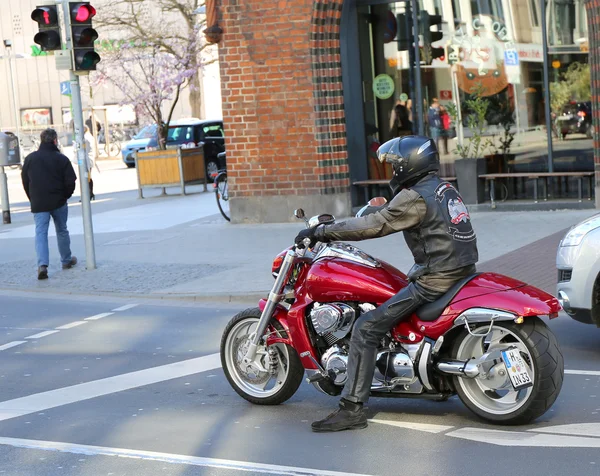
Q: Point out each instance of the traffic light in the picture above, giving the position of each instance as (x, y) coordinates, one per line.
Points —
(405, 33)
(83, 36)
(426, 21)
(48, 36)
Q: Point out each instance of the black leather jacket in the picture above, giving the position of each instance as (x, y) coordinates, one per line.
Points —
(437, 229)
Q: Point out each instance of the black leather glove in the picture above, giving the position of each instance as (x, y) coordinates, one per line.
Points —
(306, 233)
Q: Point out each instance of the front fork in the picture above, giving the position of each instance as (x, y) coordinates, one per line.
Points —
(275, 297)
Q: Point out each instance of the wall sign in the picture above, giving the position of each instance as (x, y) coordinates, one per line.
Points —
(383, 86)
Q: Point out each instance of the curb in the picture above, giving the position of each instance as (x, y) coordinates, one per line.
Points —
(224, 297)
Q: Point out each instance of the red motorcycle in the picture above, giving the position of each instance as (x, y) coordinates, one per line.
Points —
(483, 340)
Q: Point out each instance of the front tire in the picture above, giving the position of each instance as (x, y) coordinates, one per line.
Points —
(502, 404)
(273, 387)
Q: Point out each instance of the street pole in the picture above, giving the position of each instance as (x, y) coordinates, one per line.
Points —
(14, 91)
(547, 87)
(80, 150)
(419, 85)
(4, 196)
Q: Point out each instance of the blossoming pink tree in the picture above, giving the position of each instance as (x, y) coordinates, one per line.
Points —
(149, 78)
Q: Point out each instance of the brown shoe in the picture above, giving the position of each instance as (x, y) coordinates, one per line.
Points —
(71, 263)
(43, 272)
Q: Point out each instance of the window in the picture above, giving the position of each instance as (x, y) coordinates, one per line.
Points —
(213, 130)
(181, 134)
(456, 13)
(533, 12)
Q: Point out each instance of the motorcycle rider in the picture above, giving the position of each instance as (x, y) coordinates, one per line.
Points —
(437, 229)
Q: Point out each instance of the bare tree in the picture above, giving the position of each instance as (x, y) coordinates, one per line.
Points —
(162, 23)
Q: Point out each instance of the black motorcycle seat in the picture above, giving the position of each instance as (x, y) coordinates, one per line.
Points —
(433, 310)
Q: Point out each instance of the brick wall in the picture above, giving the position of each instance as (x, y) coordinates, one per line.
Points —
(593, 16)
(282, 98)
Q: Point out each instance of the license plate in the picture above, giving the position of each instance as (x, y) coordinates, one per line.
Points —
(517, 369)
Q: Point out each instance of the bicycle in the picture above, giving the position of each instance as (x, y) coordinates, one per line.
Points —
(221, 192)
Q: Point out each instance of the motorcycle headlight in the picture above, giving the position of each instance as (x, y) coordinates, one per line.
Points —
(575, 236)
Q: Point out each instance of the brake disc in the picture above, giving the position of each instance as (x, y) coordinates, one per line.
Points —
(248, 371)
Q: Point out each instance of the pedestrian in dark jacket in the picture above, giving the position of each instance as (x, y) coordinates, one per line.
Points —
(49, 181)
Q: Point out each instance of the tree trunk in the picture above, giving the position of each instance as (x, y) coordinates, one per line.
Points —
(196, 95)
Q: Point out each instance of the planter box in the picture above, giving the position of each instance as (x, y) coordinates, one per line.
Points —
(170, 168)
(471, 187)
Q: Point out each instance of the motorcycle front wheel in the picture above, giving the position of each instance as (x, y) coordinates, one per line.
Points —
(493, 397)
(277, 372)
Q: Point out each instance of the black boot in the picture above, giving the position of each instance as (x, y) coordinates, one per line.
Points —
(350, 416)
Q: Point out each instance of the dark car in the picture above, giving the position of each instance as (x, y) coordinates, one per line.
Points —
(575, 118)
(187, 133)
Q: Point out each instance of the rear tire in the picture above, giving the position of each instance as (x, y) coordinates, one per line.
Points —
(548, 372)
(288, 379)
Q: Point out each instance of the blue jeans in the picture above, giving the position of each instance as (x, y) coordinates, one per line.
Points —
(42, 221)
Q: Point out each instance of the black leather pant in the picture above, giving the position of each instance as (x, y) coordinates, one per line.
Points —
(368, 331)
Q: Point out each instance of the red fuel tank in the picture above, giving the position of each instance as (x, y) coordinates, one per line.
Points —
(338, 279)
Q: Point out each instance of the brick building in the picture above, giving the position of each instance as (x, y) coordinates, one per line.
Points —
(309, 87)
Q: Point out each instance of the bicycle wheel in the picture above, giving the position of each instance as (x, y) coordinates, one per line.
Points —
(222, 195)
(114, 149)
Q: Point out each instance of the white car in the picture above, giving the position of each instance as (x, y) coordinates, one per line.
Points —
(578, 263)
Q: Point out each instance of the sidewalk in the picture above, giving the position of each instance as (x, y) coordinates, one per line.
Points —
(181, 248)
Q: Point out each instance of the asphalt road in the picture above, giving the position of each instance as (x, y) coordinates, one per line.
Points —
(142, 380)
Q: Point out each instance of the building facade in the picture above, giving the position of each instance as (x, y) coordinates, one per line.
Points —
(37, 83)
(309, 87)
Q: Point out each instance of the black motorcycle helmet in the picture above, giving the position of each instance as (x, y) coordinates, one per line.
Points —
(411, 157)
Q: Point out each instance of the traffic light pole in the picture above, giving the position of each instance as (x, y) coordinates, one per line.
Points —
(80, 150)
(419, 85)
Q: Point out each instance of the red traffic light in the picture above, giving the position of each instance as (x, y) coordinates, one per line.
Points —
(45, 16)
(82, 12)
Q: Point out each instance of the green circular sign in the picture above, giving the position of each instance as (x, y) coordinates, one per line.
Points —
(383, 86)
(403, 97)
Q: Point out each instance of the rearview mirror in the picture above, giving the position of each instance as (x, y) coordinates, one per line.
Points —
(377, 201)
(299, 213)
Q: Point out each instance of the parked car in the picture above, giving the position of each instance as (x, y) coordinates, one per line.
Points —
(576, 118)
(182, 133)
(578, 263)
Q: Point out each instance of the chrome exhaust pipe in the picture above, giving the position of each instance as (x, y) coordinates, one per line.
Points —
(468, 369)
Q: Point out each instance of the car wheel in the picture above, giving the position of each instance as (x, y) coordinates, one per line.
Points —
(130, 166)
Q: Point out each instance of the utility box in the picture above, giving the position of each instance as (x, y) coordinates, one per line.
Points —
(9, 150)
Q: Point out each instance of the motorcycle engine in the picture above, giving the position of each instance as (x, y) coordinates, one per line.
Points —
(332, 321)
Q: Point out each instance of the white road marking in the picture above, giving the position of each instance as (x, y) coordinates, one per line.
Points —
(10, 345)
(126, 307)
(71, 325)
(97, 388)
(98, 316)
(41, 334)
(579, 429)
(170, 458)
(428, 427)
(582, 372)
(524, 438)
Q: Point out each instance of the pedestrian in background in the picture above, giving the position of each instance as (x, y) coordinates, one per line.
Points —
(400, 119)
(49, 181)
(434, 120)
(445, 132)
(90, 159)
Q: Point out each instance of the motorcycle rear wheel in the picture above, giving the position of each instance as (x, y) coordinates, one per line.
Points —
(273, 387)
(505, 406)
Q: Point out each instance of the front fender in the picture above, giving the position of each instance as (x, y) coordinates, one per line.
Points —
(292, 331)
(279, 315)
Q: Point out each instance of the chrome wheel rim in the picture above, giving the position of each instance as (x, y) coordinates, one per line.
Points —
(495, 394)
(250, 378)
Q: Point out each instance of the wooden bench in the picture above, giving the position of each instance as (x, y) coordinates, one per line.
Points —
(540, 175)
(379, 184)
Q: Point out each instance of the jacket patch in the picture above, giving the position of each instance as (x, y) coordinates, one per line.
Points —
(458, 211)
